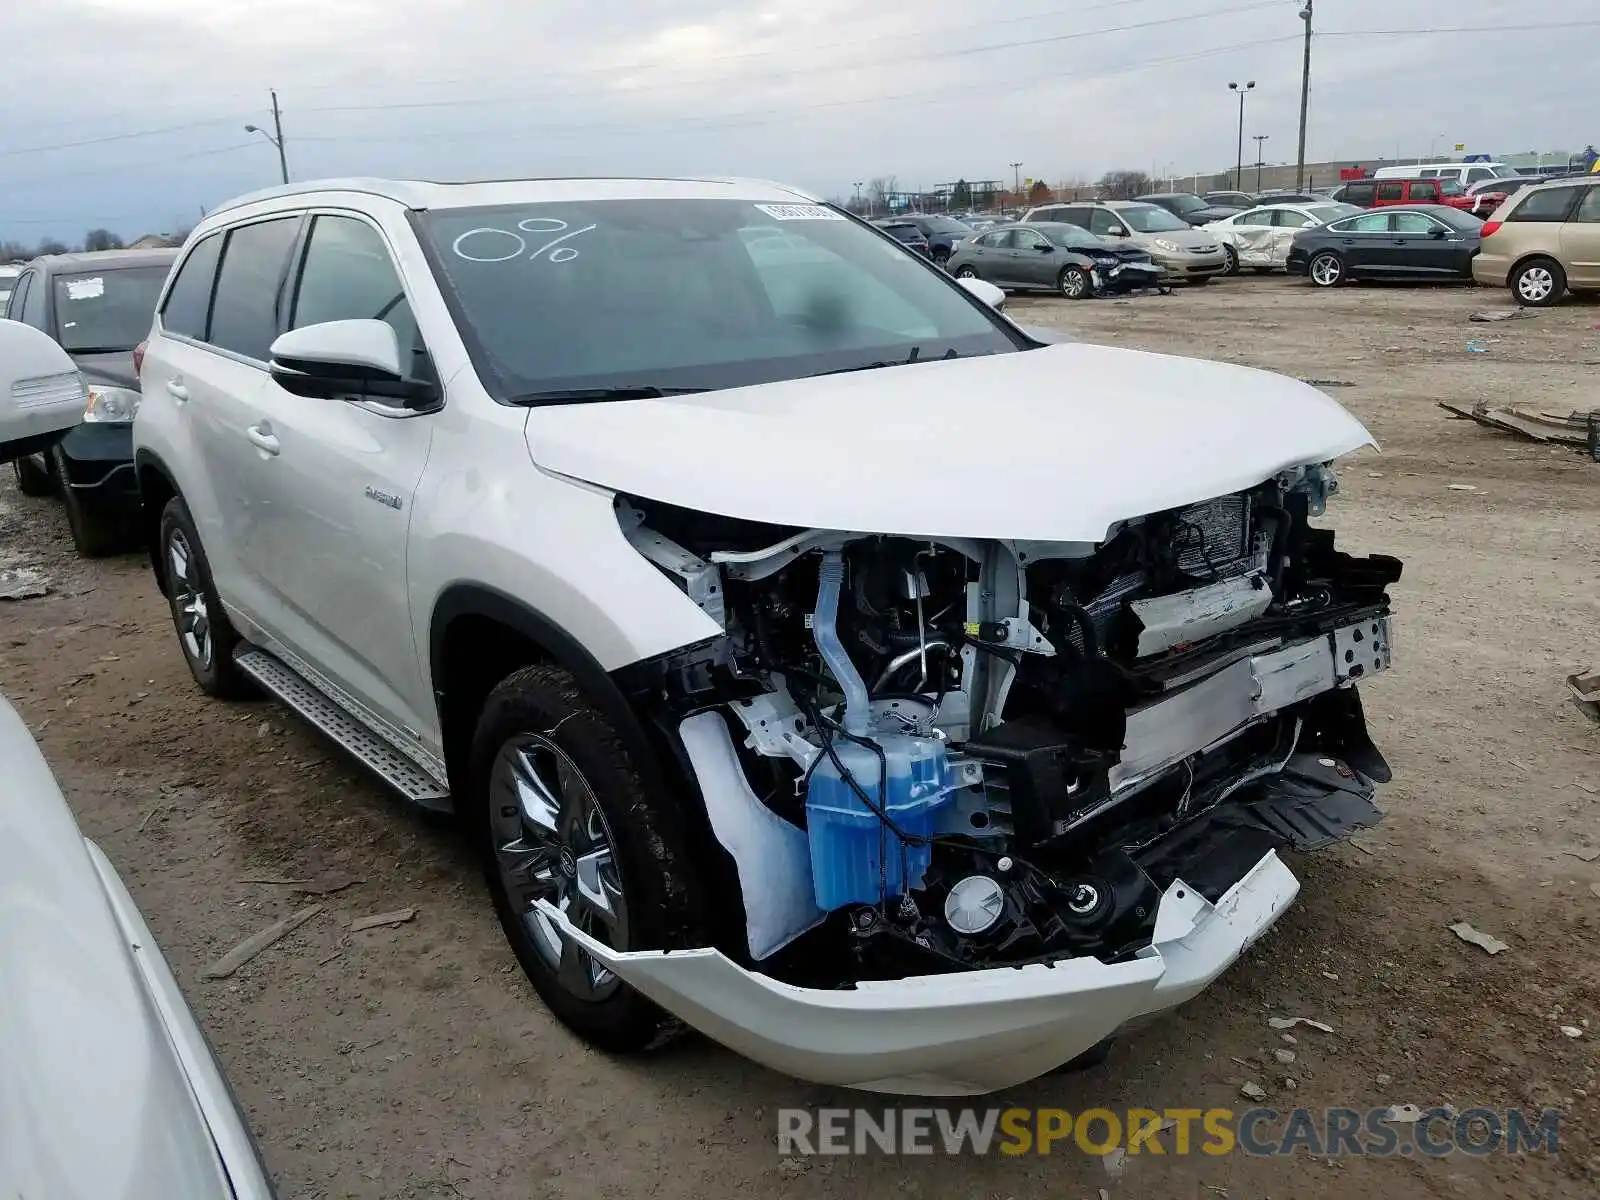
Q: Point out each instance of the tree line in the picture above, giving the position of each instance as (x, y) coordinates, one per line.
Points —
(12, 250)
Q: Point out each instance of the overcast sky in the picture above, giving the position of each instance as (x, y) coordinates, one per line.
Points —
(156, 93)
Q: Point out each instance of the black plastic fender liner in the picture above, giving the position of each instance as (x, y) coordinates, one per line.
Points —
(624, 697)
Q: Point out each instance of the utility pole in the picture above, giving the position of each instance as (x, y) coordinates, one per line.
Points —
(1305, 99)
(1016, 185)
(277, 126)
(1238, 176)
(1259, 138)
(277, 141)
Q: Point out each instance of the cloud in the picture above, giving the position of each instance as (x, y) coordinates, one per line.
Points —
(820, 93)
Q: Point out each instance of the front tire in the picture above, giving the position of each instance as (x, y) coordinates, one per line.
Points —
(1326, 269)
(1538, 283)
(559, 812)
(32, 479)
(205, 636)
(966, 272)
(1074, 283)
(1232, 259)
(941, 258)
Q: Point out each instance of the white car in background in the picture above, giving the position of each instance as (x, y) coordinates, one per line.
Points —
(108, 1086)
(1259, 238)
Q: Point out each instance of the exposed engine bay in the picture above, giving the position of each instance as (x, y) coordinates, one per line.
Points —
(928, 756)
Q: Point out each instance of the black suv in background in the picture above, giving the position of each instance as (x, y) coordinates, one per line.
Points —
(942, 233)
(1190, 207)
(99, 306)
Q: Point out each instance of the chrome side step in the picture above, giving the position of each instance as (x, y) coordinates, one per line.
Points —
(379, 753)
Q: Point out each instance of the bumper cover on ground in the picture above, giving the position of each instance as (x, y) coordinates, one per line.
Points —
(956, 1034)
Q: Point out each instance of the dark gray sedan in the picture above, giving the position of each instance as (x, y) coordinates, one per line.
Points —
(1055, 257)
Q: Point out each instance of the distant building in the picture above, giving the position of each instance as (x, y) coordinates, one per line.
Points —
(150, 241)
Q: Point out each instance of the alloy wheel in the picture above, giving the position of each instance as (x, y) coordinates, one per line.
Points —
(966, 273)
(188, 600)
(552, 843)
(1074, 283)
(1326, 270)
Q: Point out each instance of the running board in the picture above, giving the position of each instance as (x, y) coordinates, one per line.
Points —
(386, 759)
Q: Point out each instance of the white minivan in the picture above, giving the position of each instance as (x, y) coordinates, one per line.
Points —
(1467, 173)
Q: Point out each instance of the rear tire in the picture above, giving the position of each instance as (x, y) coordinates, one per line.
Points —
(205, 636)
(1538, 283)
(1326, 269)
(32, 479)
(941, 257)
(551, 783)
(96, 532)
(965, 272)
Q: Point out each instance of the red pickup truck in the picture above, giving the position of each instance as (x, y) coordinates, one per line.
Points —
(1380, 193)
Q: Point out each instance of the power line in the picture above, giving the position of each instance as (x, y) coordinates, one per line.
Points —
(1524, 28)
(119, 137)
(962, 52)
(762, 116)
(745, 55)
(14, 182)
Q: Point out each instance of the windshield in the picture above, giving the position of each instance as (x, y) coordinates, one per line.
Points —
(106, 310)
(1072, 237)
(1147, 218)
(689, 294)
(1332, 212)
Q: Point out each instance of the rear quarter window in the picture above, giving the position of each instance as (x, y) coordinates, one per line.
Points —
(1551, 204)
(1359, 193)
(188, 306)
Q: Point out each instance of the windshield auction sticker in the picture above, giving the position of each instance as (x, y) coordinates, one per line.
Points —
(799, 212)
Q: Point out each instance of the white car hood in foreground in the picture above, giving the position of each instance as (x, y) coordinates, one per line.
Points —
(1055, 444)
(96, 1100)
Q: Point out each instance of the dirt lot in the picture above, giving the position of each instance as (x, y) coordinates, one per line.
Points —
(415, 1062)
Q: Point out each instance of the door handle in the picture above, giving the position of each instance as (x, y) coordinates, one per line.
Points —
(177, 391)
(262, 438)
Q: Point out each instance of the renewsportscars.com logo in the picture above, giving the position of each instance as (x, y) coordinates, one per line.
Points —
(1379, 1132)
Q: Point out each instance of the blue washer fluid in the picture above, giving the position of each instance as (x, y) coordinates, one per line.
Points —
(855, 857)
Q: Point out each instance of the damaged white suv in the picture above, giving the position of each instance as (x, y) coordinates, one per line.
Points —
(813, 655)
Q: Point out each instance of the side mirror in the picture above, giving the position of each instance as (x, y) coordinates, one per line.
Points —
(994, 297)
(42, 395)
(1436, 232)
(343, 360)
(1047, 248)
(1115, 231)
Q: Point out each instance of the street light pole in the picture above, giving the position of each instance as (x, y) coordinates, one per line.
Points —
(1016, 181)
(1305, 98)
(858, 195)
(1239, 170)
(1259, 138)
(277, 141)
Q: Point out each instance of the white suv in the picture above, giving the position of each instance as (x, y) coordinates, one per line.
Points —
(810, 652)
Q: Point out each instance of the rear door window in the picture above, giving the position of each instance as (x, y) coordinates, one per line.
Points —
(1588, 209)
(245, 311)
(1552, 204)
(1478, 173)
(1391, 193)
(188, 307)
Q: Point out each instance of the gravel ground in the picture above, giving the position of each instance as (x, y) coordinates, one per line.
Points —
(414, 1061)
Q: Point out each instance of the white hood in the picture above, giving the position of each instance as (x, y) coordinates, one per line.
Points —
(1055, 444)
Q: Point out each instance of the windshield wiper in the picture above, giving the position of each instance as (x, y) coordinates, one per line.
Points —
(625, 391)
(915, 355)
